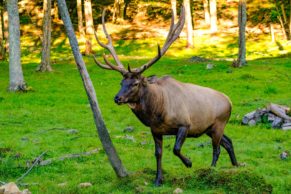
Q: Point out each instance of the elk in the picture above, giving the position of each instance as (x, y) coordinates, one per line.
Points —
(170, 107)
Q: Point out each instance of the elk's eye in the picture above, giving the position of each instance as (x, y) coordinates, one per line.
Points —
(135, 84)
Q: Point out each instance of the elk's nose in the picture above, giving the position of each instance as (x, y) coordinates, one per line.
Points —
(117, 99)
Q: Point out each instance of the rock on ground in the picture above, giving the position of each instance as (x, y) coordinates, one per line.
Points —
(11, 188)
(84, 185)
(177, 191)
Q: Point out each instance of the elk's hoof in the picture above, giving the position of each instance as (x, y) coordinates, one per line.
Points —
(158, 182)
(188, 163)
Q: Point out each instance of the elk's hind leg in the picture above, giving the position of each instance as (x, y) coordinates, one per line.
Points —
(180, 138)
(216, 134)
(227, 144)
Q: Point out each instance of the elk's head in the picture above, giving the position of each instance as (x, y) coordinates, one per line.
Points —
(133, 80)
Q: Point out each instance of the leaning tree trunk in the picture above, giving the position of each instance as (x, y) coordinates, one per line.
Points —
(100, 125)
(206, 12)
(188, 24)
(46, 40)
(16, 80)
(89, 26)
(213, 16)
(242, 19)
(174, 8)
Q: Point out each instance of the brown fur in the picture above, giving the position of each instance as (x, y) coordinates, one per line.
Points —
(167, 104)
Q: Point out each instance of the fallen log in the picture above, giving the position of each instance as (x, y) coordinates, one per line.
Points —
(279, 111)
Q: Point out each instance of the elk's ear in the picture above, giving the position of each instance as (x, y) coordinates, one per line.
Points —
(144, 81)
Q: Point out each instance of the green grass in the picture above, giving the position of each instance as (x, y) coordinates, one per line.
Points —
(36, 121)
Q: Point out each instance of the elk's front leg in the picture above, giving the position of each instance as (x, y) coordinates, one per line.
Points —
(158, 153)
(180, 138)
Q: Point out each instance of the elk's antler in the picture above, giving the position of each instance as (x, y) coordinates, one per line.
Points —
(174, 32)
(110, 48)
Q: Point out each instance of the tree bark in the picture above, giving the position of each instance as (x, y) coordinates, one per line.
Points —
(188, 23)
(100, 125)
(80, 17)
(16, 80)
(174, 8)
(2, 37)
(206, 12)
(118, 10)
(272, 33)
(89, 26)
(88, 17)
(56, 11)
(46, 40)
(213, 16)
(290, 20)
(242, 19)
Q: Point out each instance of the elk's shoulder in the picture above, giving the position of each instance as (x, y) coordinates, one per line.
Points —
(156, 80)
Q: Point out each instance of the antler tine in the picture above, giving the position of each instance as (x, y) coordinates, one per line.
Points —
(109, 45)
(174, 32)
(113, 67)
(100, 64)
(110, 48)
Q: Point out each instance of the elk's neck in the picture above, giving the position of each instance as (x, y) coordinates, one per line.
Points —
(149, 105)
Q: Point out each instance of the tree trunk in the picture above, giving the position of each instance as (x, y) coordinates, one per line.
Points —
(272, 33)
(213, 16)
(16, 80)
(80, 17)
(2, 38)
(290, 20)
(100, 125)
(46, 40)
(89, 26)
(242, 19)
(188, 23)
(88, 17)
(118, 10)
(174, 8)
(56, 11)
(206, 12)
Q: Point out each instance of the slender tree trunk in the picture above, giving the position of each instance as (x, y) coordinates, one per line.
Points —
(206, 12)
(56, 11)
(242, 19)
(80, 17)
(174, 8)
(2, 38)
(100, 125)
(281, 22)
(272, 33)
(89, 17)
(290, 20)
(213, 16)
(5, 27)
(89, 26)
(118, 10)
(16, 82)
(46, 40)
(188, 23)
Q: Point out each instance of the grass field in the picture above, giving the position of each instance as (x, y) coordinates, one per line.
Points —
(40, 120)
